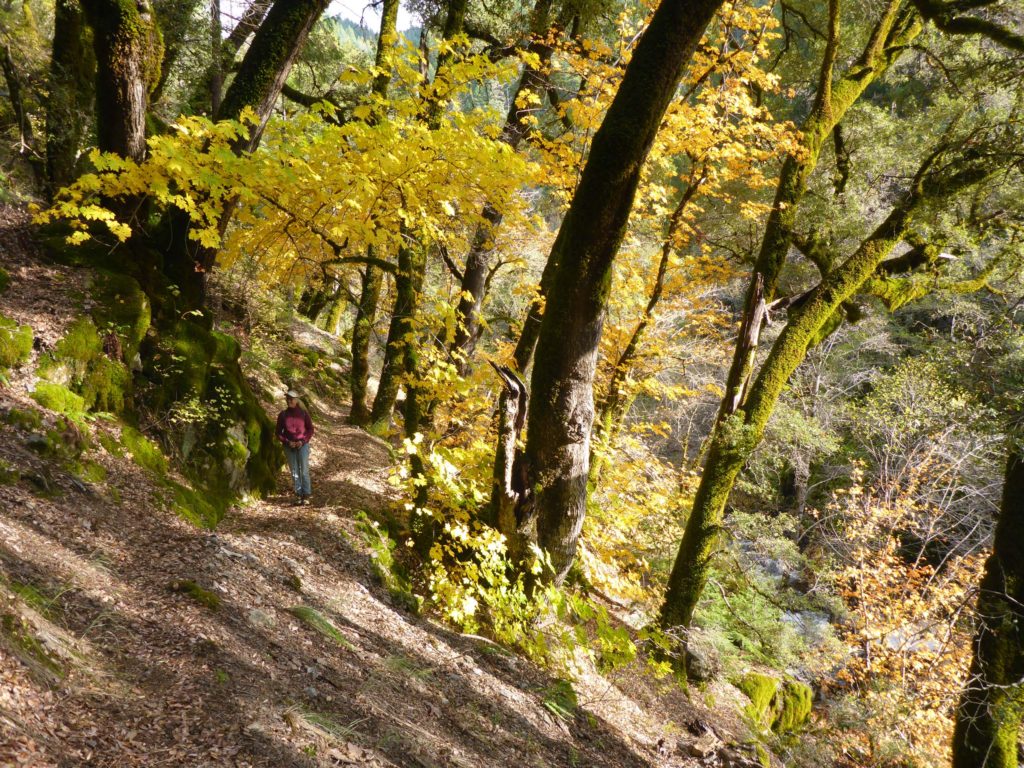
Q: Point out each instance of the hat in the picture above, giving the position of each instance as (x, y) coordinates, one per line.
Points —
(291, 393)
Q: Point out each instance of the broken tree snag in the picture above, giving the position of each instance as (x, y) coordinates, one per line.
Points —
(746, 344)
(510, 493)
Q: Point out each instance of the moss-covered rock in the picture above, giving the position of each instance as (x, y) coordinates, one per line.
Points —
(218, 425)
(80, 363)
(123, 307)
(59, 398)
(782, 706)
(144, 451)
(15, 343)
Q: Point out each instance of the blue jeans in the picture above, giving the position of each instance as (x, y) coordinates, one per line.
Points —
(298, 463)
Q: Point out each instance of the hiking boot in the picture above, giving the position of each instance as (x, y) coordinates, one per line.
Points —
(305, 501)
(298, 502)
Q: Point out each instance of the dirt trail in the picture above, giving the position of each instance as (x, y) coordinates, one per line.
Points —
(107, 660)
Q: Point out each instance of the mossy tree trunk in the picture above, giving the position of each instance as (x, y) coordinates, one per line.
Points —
(129, 50)
(373, 278)
(401, 332)
(735, 436)
(362, 332)
(895, 29)
(399, 360)
(561, 397)
(72, 88)
(988, 719)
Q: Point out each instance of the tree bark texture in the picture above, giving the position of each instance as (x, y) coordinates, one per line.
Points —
(510, 511)
(988, 718)
(362, 332)
(561, 398)
(735, 437)
(72, 88)
(129, 51)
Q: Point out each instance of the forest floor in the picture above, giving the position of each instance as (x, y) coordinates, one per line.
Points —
(110, 657)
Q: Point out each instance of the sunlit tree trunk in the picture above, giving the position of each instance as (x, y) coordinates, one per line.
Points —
(561, 397)
(988, 719)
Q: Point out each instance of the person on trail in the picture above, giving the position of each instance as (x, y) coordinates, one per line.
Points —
(294, 429)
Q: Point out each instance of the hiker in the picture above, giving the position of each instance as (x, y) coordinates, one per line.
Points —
(294, 429)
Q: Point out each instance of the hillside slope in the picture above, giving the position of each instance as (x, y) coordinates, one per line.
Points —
(129, 637)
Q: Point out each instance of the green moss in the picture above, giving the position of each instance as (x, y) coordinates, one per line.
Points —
(201, 595)
(91, 472)
(760, 689)
(122, 305)
(79, 362)
(199, 507)
(15, 343)
(144, 451)
(8, 474)
(793, 706)
(110, 444)
(80, 346)
(59, 398)
(320, 623)
(782, 706)
(105, 386)
(5, 280)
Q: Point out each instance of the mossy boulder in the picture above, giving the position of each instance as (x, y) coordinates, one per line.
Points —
(80, 362)
(123, 308)
(59, 398)
(218, 426)
(15, 343)
(784, 706)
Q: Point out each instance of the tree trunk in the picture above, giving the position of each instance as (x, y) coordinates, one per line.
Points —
(478, 261)
(735, 437)
(366, 311)
(401, 332)
(257, 84)
(72, 85)
(128, 51)
(175, 20)
(561, 397)
(988, 718)
(362, 332)
(27, 138)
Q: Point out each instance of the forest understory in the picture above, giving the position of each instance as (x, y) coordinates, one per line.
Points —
(132, 638)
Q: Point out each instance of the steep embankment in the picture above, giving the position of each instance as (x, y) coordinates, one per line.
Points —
(130, 637)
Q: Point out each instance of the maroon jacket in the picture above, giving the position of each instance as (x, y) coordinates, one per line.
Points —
(294, 424)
